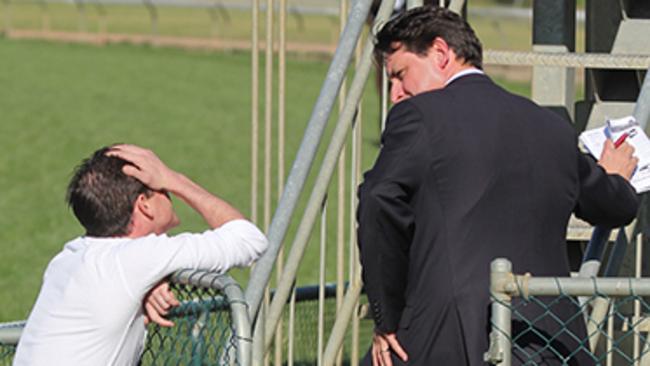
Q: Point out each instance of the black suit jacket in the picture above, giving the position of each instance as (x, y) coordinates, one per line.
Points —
(466, 174)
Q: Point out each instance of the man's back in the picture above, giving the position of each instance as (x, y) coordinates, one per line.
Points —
(76, 319)
(478, 173)
(90, 307)
(89, 310)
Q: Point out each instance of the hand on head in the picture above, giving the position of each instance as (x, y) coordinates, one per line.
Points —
(145, 166)
(618, 160)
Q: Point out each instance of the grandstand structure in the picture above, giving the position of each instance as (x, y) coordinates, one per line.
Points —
(270, 321)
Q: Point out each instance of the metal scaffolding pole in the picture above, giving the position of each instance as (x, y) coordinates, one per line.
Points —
(340, 203)
(322, 181)
(282, 45)
(268, 114)
(255, 64)
(306, 153)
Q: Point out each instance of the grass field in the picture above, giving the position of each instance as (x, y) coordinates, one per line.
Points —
(172, 21)
(229, 24)
(59, 102)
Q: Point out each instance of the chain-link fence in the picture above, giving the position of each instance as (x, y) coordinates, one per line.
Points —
(207, 332)
(541, 321)
(304, 340)
(9, 334)
(211, 324)
(7, 354)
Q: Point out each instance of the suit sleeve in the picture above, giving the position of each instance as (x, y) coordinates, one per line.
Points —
(385, 216)
(605, 199)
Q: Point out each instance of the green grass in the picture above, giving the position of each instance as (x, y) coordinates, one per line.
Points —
(60, 102)
(232, 24)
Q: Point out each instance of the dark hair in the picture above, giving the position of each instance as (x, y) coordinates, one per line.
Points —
(102, 196)
(417, 28)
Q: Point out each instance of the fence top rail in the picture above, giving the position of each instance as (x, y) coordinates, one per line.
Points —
(10, 332)
(524, 285)
(204, 279)
(567, 59)
(504, 282)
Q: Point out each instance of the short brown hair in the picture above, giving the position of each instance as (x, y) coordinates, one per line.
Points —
(417, 28)
(102, 196)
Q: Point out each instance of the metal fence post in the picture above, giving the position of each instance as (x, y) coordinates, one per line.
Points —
(322, 182)
(307, 152)
(346, 311)
(10, 332)
(255, 95)
(500, 352)
(241, 322)
(268, 115)
(258, 336)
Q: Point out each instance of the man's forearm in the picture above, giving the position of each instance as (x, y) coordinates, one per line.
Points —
(214, 210)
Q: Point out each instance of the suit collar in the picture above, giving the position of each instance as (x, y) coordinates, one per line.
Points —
(473, 77)
(465, 72)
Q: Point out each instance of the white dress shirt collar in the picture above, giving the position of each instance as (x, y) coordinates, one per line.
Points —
(462, 73)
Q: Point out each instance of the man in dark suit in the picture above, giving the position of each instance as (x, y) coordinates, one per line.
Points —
(467, 173)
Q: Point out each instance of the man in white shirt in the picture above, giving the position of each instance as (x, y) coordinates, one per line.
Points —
(89, 310)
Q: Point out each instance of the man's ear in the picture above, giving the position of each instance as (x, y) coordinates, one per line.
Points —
(143, 206)
(440, 53)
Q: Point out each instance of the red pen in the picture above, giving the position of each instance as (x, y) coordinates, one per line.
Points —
(620, 140)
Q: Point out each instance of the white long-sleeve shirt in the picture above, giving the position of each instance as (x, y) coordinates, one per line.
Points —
(89, 310)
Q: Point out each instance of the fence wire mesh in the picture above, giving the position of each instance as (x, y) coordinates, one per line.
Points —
(306, 332)
(543, 333)
(7, 352)
(544, 323)
(7, 342)
(305, 344)
(202, 334)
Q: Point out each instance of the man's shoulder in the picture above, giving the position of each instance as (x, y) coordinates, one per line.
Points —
(456, 91)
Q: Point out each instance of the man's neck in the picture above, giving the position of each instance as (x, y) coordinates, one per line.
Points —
(138, 229)
(462, 71)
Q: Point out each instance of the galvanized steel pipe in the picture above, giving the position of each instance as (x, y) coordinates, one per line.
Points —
(306, 153)
(322, 181)
(342, 320)
(255, 64)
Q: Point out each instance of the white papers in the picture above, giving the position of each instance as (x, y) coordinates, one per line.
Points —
(594, 140)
